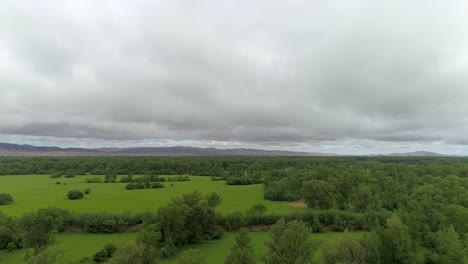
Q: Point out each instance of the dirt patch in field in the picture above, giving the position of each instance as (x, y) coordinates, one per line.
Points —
(298, 204)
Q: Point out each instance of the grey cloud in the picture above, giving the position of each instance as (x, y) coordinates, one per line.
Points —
(270, 73)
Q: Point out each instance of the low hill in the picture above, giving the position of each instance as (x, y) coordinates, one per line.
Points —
(7, 149)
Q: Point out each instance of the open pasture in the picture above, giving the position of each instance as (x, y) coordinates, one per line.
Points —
(214, 251)
(31, 192)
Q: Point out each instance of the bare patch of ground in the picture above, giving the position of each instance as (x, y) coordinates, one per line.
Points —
(298, 204)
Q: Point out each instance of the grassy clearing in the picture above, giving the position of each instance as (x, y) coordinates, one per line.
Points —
(32, 192)
(75, 246)
(215, 251)
(78, 245)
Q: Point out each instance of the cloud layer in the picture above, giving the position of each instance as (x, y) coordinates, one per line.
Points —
(267, 73)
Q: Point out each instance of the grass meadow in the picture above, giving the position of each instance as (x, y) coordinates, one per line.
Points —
(31, 192)
(75, 246)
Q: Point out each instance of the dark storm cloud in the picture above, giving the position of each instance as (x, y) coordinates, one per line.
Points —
(266, 72)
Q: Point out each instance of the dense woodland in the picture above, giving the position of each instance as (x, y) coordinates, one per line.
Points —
(416, 209)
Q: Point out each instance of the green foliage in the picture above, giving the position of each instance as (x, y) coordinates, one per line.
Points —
(48, 256)
(346, 250)
(191, 256)
(289, 244)
(38, 226)
(213, 200)
(6, 198)
(234, 221)
(397, 244)
(372, 245)
(75, 194)
(242, 251)
(69, 174)
(104, 254)
(129, 253)
(56, 175)
(318, 194)
(149, 238)
(186, 220)
(9, 233)
(446, 247)
(316, 226)
(87, 191)
(110, 174)
(242, 180)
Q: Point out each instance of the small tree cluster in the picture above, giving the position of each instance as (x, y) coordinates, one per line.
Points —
(75, 194)
(104, 254)
(290, 243)
(6, 198)
(189, 219)
(242, 252)
(144, 185)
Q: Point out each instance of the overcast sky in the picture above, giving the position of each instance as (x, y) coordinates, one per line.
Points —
(330, 76)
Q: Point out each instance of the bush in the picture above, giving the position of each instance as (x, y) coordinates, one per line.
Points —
(5, 198)
(69, 175)
(156, 185)
(56, 175)
(75, 194)
(104, 254)
(58, 183)
(87, 191)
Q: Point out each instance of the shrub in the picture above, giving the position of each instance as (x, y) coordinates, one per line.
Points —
(56, 175)
(69, 175)
(156, 185)
(104, 254)
(75, 194)
(5, 198)
(181, 178)
(87, 191)
(58, 183)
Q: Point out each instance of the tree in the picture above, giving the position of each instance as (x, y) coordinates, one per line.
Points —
(186, 220)
(129, 253)
(110, 174)
(213, 200)
(346, 250)
(149, 238)
(242, 252)
(289, 244)
(38, 226)
(75, 194)
(5, 198)
(447, 247)
(397, 245)
(318, 194)
(104, 254)
(191, 256)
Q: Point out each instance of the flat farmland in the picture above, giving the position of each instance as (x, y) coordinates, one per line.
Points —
(32, 192)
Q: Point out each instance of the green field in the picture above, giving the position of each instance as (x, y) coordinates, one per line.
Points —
(78, 245)
(32, 192)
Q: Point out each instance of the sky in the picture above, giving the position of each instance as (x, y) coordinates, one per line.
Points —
(349, 77)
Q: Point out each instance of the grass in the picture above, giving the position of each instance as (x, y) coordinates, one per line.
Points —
(78, 245)
(75, 246)
(31, 192)
(215, 251)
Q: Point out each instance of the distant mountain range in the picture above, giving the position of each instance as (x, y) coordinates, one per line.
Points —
(7, 149)
(417, 154)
